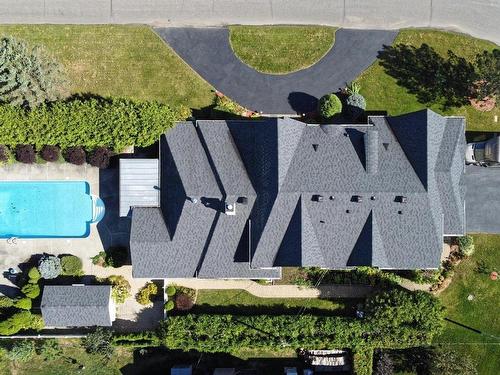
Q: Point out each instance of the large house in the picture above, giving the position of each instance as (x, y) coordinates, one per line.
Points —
(241, 199)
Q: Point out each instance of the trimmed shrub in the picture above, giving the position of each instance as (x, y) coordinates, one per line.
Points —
(146, 293)
(21, 351)
(19, 321)
(25, 154)
(23, 303)
(49, 267)
(120, 288)
(31, 290)
(113, 123)
(30, 76)
(169, 305)
(100, 157)
(71, 265)
(75, 155)
(170, 291)
(329, 105)
(363, 361)
(5, 155)
(183, 302)
(6, 302)
(50, 153)
(34, 275)
(466, 245)
(99, 342)
(355, 106)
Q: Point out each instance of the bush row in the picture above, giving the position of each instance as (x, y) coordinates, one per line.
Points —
(393, 319)
(98, 157)
(112, 123)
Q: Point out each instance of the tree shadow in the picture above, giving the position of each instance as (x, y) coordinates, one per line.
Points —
(303, 103)
(153, 361)
(429, 76)
(348, 309)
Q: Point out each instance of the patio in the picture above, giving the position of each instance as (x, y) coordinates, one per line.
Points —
(111, 231)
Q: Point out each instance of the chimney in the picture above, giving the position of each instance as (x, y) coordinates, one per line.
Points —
(371, 151)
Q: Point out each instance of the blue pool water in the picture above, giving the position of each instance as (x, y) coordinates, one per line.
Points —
(45, 209)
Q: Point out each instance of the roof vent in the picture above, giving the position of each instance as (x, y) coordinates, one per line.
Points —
(347, 211)
(386, 146)
(229, 208)
(401, 199)
(373, 197)
(243, 200)
(317, 198)
(193, 200)
(331, 197)
(322, 221)
(315, 146)
(357, 198)
(400, 212)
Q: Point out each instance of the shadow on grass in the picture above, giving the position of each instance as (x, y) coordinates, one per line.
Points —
(153, 361)
(347, 307)
(429, 76)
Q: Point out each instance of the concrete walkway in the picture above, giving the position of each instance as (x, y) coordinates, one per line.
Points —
(278, 291)
(478, 18)
(208, 52)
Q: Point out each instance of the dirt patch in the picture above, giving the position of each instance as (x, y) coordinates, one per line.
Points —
(485, 105)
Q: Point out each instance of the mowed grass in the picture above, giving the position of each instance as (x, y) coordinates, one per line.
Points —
(382, 93)
(73, 360)
(482, 312)
(281, 49)
(241, 302)
(127, 61)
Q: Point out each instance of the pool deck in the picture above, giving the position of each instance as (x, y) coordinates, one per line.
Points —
(13, 254)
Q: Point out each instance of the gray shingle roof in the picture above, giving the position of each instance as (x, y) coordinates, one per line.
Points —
(281, 167)
(76, 305)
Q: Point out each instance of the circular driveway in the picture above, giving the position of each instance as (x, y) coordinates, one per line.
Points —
(208, 52)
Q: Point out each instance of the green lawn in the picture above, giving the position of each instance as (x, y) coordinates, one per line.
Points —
(281, 49)
(73, 356)
(481, 313)
(242, 302)
(129, 61)
(383, 94)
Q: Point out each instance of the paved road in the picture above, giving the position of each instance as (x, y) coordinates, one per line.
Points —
(482, 199)
(208, 52)
(479, 17)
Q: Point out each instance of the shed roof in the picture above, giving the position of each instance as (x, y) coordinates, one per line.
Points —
(76, 305)
(139, 182)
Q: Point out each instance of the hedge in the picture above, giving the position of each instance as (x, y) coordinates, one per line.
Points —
(19, 321)
(363, 361)
(113, 123)
(393, 319)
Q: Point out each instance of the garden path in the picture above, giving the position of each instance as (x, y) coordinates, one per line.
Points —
(278, 291)
(208, 52)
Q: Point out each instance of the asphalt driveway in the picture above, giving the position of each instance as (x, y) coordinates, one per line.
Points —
(482, 199)
(208, 52)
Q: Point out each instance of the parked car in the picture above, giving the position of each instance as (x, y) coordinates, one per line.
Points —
(485, 153)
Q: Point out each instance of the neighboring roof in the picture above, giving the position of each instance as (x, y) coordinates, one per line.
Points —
(139, 184)
(389, 191)
(76, 305)
(181, 370)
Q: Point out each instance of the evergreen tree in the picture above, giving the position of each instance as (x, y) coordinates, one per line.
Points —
(28, 76)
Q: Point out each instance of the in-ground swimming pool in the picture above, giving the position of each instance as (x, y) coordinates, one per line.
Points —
(47, 209)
